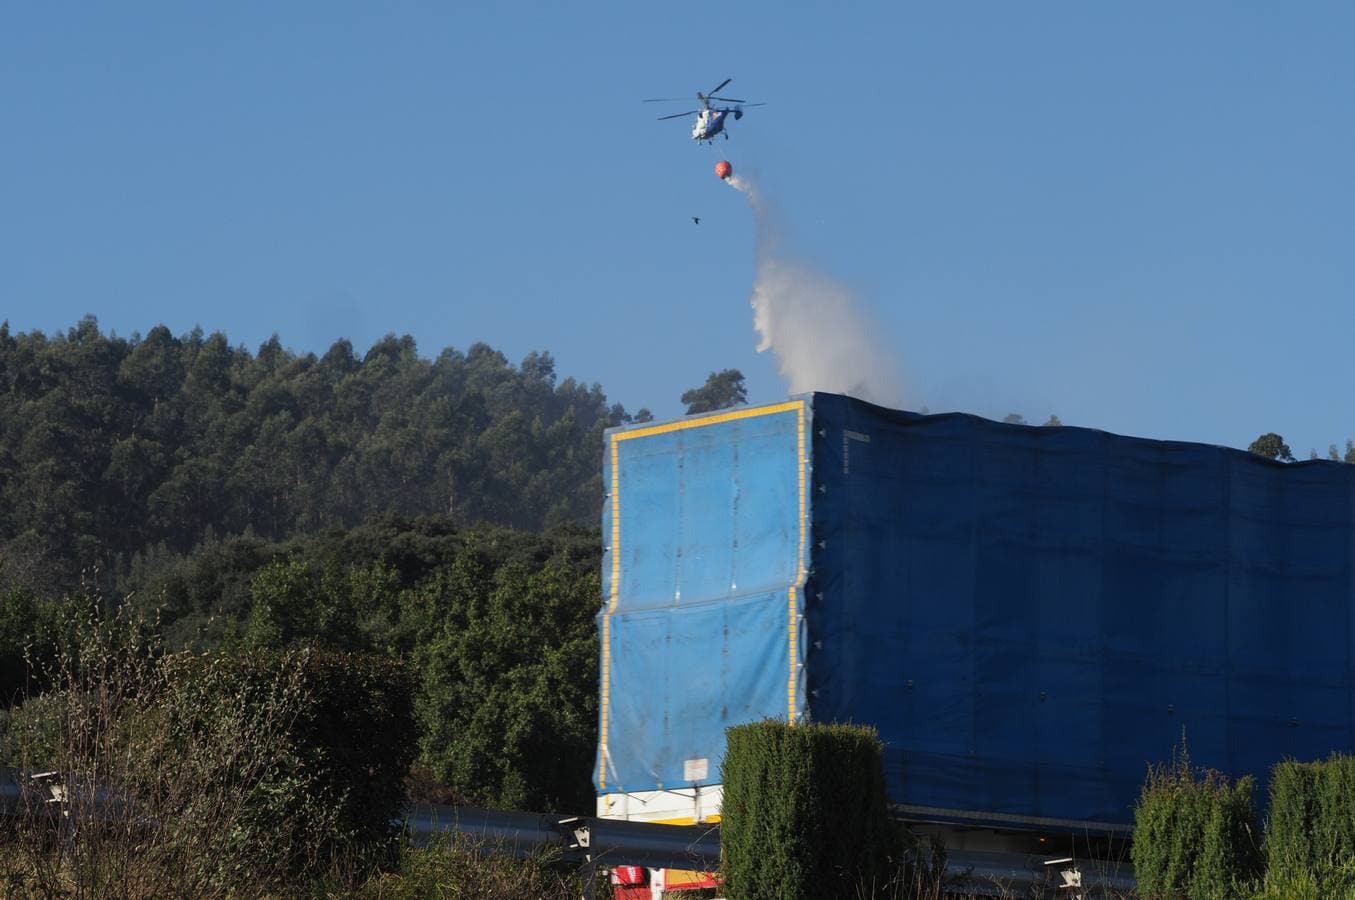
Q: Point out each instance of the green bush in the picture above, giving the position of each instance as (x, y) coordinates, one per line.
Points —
(804, 812)
(29, 733)
(341, 728)
(1195, 834)
(33, 630)
(506, 703)
(1311, 832)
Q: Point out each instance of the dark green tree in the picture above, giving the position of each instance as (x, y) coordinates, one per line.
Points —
(112, 447)
(27, 641)
(1271, 446)
(721, 391)
(508, 702)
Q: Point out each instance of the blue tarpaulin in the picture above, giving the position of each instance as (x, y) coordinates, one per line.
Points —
(1029, 615)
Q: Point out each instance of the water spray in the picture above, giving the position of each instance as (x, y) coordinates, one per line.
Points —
(823, 338)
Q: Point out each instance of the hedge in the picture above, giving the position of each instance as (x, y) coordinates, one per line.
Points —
(804, 812)
(1195, 834)
(1311, 832)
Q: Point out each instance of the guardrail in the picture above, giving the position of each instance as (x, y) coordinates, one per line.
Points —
(581, 838)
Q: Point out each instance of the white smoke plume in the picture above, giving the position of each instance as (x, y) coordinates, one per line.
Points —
(823, 338)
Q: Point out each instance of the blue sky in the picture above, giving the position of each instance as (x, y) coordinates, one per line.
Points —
(1140, 216)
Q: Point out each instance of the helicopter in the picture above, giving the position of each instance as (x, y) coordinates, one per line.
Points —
(709, 121)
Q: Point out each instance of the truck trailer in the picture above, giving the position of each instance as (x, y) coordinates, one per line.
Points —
(1030, 615)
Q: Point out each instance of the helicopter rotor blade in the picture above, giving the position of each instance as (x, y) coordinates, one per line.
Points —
(724, 99)
(679, 115)
(716, 89)
(752, 104)
(666, 99)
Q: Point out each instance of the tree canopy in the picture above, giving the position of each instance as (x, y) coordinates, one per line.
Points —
(721, 391)
(1271, 446)
(112, 448)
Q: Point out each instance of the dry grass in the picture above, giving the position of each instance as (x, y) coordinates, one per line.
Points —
(467, 870)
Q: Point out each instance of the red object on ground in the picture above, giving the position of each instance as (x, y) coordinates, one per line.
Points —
(724, 169)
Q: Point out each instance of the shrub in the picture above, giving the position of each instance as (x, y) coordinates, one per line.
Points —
(1195, 834)
(89, 827)
(804, 812)
(188, 775)
(29, 733)
(342, 727)
(1312, 806)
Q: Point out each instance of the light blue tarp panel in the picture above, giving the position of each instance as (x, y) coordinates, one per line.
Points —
(708, 551)
(680, 675)
(1033, 615)
(708, 511)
